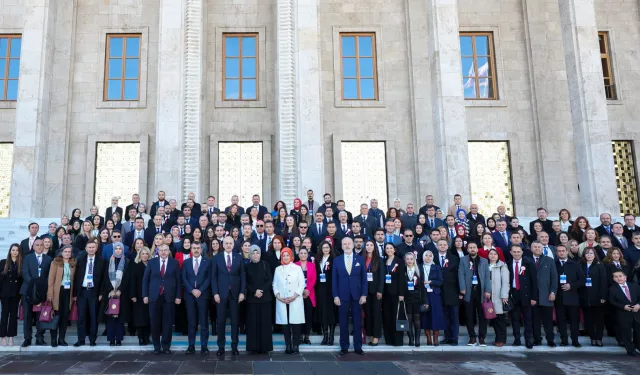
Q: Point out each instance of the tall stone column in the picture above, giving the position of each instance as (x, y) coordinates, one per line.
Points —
(287, 133)
(169, 138)
(447, 100)
(592, 134)
(32, 110)
(310, 151)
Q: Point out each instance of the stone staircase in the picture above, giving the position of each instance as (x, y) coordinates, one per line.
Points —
(16, 230)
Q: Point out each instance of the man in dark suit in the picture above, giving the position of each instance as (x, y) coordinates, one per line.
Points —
(502, 212)
(450, 291)
(524, 294)
(152, 230)
(161, 287)
(367, 222)
(235, 200)
(161, 202)
(571, 279)
(197, 294)
(429, 203)
(327, 204)
(344, 228)
(137, 232)
(196, 208)
(474, 216)
(189, 217)
(409, 219)
(432, 221)
(88, 279)
(256, 203)
(618, 239)
(547, 276)
(26, 246)
(349, 294)
(341, 208)
(35, 267)
(605, 225)
(625, 297)
(228, 284)
(211, 208)
(501, 238)
(409, 245)
(318, 229)
(113, 208)
(542, 219)
(136, 203)
(630, 226)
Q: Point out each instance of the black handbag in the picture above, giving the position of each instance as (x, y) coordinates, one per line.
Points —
(424, 308)
(506, 307)
(53, 324)
(402, 325)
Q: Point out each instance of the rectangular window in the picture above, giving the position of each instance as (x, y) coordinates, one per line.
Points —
(122, 67)
(6, 166)
(607, 72)
(240, 67)
(358, 64)
(114, 178)
(10, 46)
(490, 190)
(478, 66)
(626, 179)
(239, 171)
(364, 174)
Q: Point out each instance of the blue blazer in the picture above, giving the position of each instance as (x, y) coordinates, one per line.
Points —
(224, 282)
(348, 286)
(313, 231)
(498, 240)
(435, 276)
(30, 269)
(152, 280)
(202, 282)
(436, 222)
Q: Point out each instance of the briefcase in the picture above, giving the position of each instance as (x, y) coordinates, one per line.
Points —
(53, 324)
(114, 306)
(402, 325)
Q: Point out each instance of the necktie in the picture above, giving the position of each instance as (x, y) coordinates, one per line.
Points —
(516, 276)
(195, 268)
(381, 250)
(389, 238)
(162, 269)
(431, 223)
(537, 262)
(626, 292)
(268, 241)
(504, 235)
(348, 265)
(442, 261)
(90, 282)
(319, 229)
(39, 260)
(546, 251)
(618, 265)
(452, 233)
(157, 230)
(228, 262)
(624, 242)
(562, 263)
(344, 228)
(608, 230)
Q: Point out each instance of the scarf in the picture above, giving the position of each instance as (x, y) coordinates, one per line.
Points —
(427, 269)
(286, 250)
(115, 276)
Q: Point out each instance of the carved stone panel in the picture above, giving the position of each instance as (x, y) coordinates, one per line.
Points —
(364, 175)
(490, 174)
(239, 171)
(116, 174)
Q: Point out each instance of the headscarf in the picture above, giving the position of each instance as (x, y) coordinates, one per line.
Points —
(252, 250)
(297, 203)
(426, 267)
(115, 276)
(286, 250)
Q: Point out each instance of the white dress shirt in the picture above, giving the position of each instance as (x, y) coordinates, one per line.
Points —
(86, 270)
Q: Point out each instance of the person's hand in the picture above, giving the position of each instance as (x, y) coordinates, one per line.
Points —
(305, 293)
(76, 298)
(196, 293)
(134, 299)
(565, 287)
(505, 301)
(146, 300)
(425, 306)
(379, 295)
(533, 302)
(100, 298)
(552, 297)
(258, 293)
(603, 301)
(336, 301)
(627, 308)
(401, 298)
(487, 295)
(178, 301)
(463, 292)
(241, 297)
(427, 282)
(217, 298)
(363, 300)
(636, 308)
(118, 293)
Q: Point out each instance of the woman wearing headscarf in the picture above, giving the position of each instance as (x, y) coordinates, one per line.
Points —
(259, 280)
(60, 292)
(295, 212)
(432, 319)
(309, 293)
(117, 286)
(140, 310)
(288, 286)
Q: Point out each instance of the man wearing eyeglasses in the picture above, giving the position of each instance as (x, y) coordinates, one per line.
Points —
(408, 245)
(260, 235)
(303, 228)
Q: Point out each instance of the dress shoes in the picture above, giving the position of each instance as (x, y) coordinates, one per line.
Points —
(40, 342)
(26, 343)
(235, 351)
(157, 351)
(166, 351)
(112, 343)
(529, 345)
(54, 344)
(564, 343)
(359, 352)
(295, 349)
(79, 344)
(551, 344)
(517, 343)
(204, 350)
(576, 344)
(343, 351)
(287, 349)
(220, 352)
(92, 343)
(537, 342)
(190, 350)
(62, 343)
(445, 342)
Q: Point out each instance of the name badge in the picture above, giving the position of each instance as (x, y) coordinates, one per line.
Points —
(474, 281)
(305, 282)
(89, 277)
(387, 279)
(39, 271)
(563, 279)
(588, 283)
(410, 285)
(323, 278)
(66, 284)
(369, 276)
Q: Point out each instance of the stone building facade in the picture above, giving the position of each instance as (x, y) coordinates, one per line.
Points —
(550, 105)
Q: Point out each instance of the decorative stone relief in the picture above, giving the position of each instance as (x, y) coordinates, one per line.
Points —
(626, 179)
(239, 171)
(490, 187)
(115, 178)
(364, 174)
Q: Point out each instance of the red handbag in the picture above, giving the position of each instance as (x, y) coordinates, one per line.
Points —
(36, 308)
(46, 312)
(487, 308)
(73, 314)
(114, 306)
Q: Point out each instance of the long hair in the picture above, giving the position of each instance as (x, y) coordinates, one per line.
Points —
(375, 257)
(576, 228)
(144, 249)
(7, 265)
(583, 258)
(609, 260)
(319, 254)
(279, 238)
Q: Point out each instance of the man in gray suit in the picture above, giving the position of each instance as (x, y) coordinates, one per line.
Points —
(475, 286)
(547, 289)
(36, 266)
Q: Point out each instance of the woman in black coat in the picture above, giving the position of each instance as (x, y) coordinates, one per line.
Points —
(116, 286)
(10, 282)
(593, 295)
(259, 279)
(414, 296)
(392, 296)
(325, 308)
(375, 277)
(139, 310)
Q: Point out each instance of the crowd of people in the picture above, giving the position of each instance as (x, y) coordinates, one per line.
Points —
(317, 266)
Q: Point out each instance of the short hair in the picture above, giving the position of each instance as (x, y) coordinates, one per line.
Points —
(378, 230)
(511, 218)
(340, 201)
(541, 209)
(325, 194)
(140, 218)
(358, 237)
(196, 243)
(457, 195)
(628, 214)
(635, 234)
(501, 220)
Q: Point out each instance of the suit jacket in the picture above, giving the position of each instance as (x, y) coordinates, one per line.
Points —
(436, 223)
(224, 282)
(150, 233)
(575, 278)
(261, 211)
(349, 285)
(453, 209)
(368, 226)
(465, 276)
(323, 208)
(127, 227)
(414, 248)
(130, 236)
(618, 299)
(240, 210)
(315, 235)
(377, 285)
(195, 211)
(30, 270)
(409, 221)
(546, 225)
(498, 241)
(152, 280)
(479, 219)
(126, 211)
(110, 212)
(591, 295)
(395, 239)
(100, 269)
(215, 209)
(202, 281)
(423, 209)
(547, 280)
(528, 281)
(602, 231)
(450, 280)
(628, 233)
(313, 206)
(24, 247)
(155, 205)
(618, 243)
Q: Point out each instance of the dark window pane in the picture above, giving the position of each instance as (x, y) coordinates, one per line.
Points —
(231, 46)
(601, 42)
(115, 68)
(605, 67)
(349, 67)
(467, 66)
(469, 85)
(365, 46)
(115, 47)
(114, 89)
(348, 46)
(350, 89)
(249, 68)
(133, 47)
(232, 90)
(3, 67)
(483, 67)
(248, 46)
(131, 69)
(249, 89)
(4, 45)
(366, 67)
(482, 45)
(12, 89)
(14, 68)
(367, 90)
(466, 49)
(131, 89)
(16, 46)
(231, 68)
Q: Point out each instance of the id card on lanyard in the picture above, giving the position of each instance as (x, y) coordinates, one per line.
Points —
(588, 281)
(563, 279)
(66, 284)
(323, 278)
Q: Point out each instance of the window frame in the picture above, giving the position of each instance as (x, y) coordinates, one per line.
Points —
(240, 35)
(7, 59)
(492, 59)
(374, 59)
(123, 79)
(607, 55)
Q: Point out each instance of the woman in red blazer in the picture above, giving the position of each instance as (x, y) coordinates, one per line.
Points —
(487, 244)
(309, 294)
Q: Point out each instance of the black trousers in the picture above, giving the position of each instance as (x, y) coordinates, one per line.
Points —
(63, 313)
(500, 327)
(522, 315)
(230, 304)
(389, 316)
(543, 316)
(87, 302)
(29, 318)
(9, 319)
(291, 332)
(308, 316)
(570, 313)
(161, 315)
(594, 321)
(630, 335)
(473, 307)
(373, 316)
(144, 332)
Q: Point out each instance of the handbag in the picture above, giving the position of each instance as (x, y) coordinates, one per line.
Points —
(73, 314)
(52, 324)
(487, 308)
(20, 311)
(46, 312)
(36, 308)
(402, 325)
(424, 308)
(114, 306)
(507, 307)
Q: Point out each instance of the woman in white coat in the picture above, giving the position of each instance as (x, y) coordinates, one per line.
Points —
(288, 285)
(499, 295)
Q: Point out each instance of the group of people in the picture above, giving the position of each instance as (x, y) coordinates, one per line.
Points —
(314, 267)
